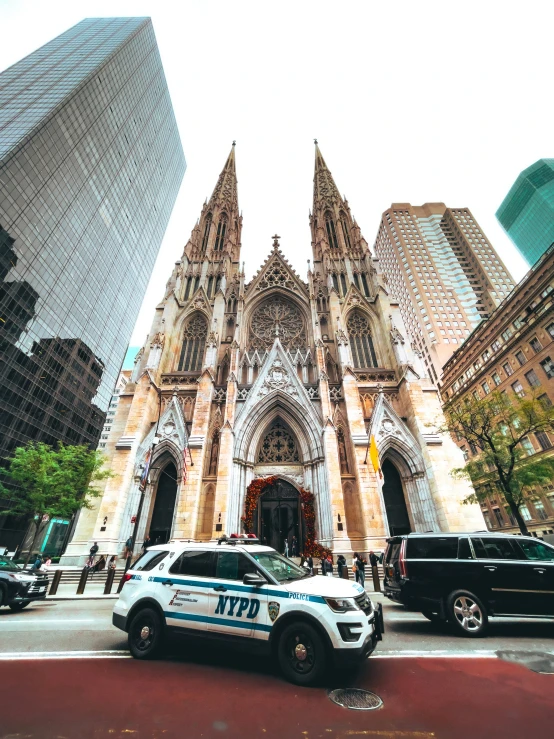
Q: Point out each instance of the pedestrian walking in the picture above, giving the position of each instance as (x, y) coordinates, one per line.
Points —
(92, 554)
(146, 543)
(310, 564)
(286, 547)
(329, 571)
(128, 548)
(361, 571)
(294, 547)
(355, 567)
(341, 565)
(374, 561)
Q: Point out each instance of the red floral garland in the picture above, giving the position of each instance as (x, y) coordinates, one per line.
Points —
(253, 492)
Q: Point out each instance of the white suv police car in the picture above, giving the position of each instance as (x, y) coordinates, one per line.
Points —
(236, 589)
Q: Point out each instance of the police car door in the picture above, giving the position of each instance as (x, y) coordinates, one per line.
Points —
(236, 608)
(184, 590)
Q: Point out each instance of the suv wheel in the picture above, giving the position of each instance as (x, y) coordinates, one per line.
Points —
(19, 606)
(146, 634)
(302, 654)
(467, 613)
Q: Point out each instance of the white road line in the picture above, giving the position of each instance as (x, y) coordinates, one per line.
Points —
(89, 654)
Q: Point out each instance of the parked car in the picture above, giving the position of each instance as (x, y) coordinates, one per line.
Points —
(18, 587)
(239, 592)
(465, 578)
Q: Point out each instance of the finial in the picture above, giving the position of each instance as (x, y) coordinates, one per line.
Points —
(234, 143)
(315, 142)
(275, 238)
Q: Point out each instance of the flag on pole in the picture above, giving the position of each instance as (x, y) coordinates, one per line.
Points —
(374, 456)
(145, 471)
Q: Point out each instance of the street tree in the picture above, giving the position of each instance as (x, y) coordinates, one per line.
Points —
(496, 429)
(52, 482)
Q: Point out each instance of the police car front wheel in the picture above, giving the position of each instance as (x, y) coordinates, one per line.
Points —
(146, 634)
(301, 653)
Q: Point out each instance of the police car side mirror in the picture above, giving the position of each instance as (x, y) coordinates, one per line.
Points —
(252, 578)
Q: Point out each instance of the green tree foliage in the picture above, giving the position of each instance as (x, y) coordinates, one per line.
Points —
(53, 482)
(497, 426)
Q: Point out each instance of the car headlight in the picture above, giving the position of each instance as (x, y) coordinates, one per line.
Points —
(342, 605)
(23, 578)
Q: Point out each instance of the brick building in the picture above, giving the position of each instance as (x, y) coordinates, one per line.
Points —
(513, 351)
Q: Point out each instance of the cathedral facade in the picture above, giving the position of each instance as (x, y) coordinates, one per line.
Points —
(251, 405)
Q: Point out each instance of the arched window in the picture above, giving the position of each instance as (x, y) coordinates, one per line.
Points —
(206, 236)
(361, 343)
(210, 286)
(217, 283)
(194, 340)
(280, 317)
(214, 454)
(343, 456)
(357, 280)
(220, 238)
(190, 283)
(343, 282)
(345, 230)
(336, 282)
(331, 233)
(365, 284)
(196, 283)
(279, 446)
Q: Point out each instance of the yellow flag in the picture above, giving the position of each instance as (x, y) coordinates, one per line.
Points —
(374, 455)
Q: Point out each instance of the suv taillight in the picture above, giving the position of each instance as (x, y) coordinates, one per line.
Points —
(402, 564)
(126, 577)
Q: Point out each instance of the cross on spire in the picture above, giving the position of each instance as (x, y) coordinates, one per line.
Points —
(275, 238)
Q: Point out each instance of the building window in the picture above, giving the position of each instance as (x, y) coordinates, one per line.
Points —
(361, 343)
(331, 233)
(548, 367)
(486, 388)
(532, 378)
(336, 282)
(535, 344)
(520, 356)
(345, 232)
(220, 238)
(495, 346)
(206, 232)
(507, 367)
(465, 453)
(543, 440)
(545, 401)
(517, 387)
(279, 446)
(540, 510)
(510, 515)
(498, 516)
(343, 283)
(496, 378)
(550, 329)
(194, 339)
(527, 446)
(525, 513)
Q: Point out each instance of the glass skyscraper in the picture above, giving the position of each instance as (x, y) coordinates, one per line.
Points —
(90, 166)
(527, 211)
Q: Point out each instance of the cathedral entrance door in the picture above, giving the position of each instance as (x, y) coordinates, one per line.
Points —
(278, 517)
(164, 505)
(395, 503)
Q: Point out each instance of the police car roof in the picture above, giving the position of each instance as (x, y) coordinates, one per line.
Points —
(179, 545)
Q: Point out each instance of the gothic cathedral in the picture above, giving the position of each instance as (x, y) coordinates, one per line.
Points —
(277, 385)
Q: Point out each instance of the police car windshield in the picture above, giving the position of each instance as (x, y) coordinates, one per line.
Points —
(280, 567)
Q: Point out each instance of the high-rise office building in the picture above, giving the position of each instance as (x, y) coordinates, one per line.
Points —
(527, 211)
(444, 272)
(90, 166)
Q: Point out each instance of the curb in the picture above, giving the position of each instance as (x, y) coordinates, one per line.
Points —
(82, 597)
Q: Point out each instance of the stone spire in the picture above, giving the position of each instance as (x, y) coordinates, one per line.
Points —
(218, 231)
(324, 184)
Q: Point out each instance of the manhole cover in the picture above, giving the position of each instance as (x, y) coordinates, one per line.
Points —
(355, 699)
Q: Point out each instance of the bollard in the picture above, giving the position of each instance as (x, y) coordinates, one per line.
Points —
(121, 583)
(82, 581)
(55, 582)
(376, 581)
(109, 581)
(345, 573)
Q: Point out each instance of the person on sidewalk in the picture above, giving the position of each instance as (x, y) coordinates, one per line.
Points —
(92, 554)
(329, 560)
(128, 548)
(361, 571)
(294, 547)
(286, 548)
(99, 566)
(355, 569)
(37, 564)
(111, 562)
(146, 543)
(341, 564)
(47, 564)
(309, 564)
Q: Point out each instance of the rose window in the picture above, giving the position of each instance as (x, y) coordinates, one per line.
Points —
(279, 446)
(277, 317)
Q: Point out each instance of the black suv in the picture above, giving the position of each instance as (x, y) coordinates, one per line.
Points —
(464, 578)
(18, 587)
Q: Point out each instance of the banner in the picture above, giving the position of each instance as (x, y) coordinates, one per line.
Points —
(374, 456)
(146, 470)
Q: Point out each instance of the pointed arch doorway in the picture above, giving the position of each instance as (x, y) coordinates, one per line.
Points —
(278, 516)
(161, 522)
(395, 501)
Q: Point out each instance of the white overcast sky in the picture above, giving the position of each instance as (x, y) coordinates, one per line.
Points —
(410, 101)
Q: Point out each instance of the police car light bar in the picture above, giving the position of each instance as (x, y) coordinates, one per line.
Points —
(238, 539)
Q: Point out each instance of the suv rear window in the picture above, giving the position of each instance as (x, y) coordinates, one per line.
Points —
(149, 560)
(435, 547)
(494, 548)
(393, 551)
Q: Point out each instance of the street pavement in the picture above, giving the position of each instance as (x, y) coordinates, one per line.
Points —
(75, 665)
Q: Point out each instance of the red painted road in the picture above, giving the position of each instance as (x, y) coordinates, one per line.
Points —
(127, 699)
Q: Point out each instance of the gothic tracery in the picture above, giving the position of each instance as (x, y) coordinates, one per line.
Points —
(277, 317)
(279, 446)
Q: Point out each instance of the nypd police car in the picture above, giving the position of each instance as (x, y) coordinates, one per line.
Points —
(240, 591)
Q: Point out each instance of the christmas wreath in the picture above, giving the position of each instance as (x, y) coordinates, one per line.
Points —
(253, 492)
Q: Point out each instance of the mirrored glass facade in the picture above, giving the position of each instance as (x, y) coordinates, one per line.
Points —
(527, 211)
(90, 166)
